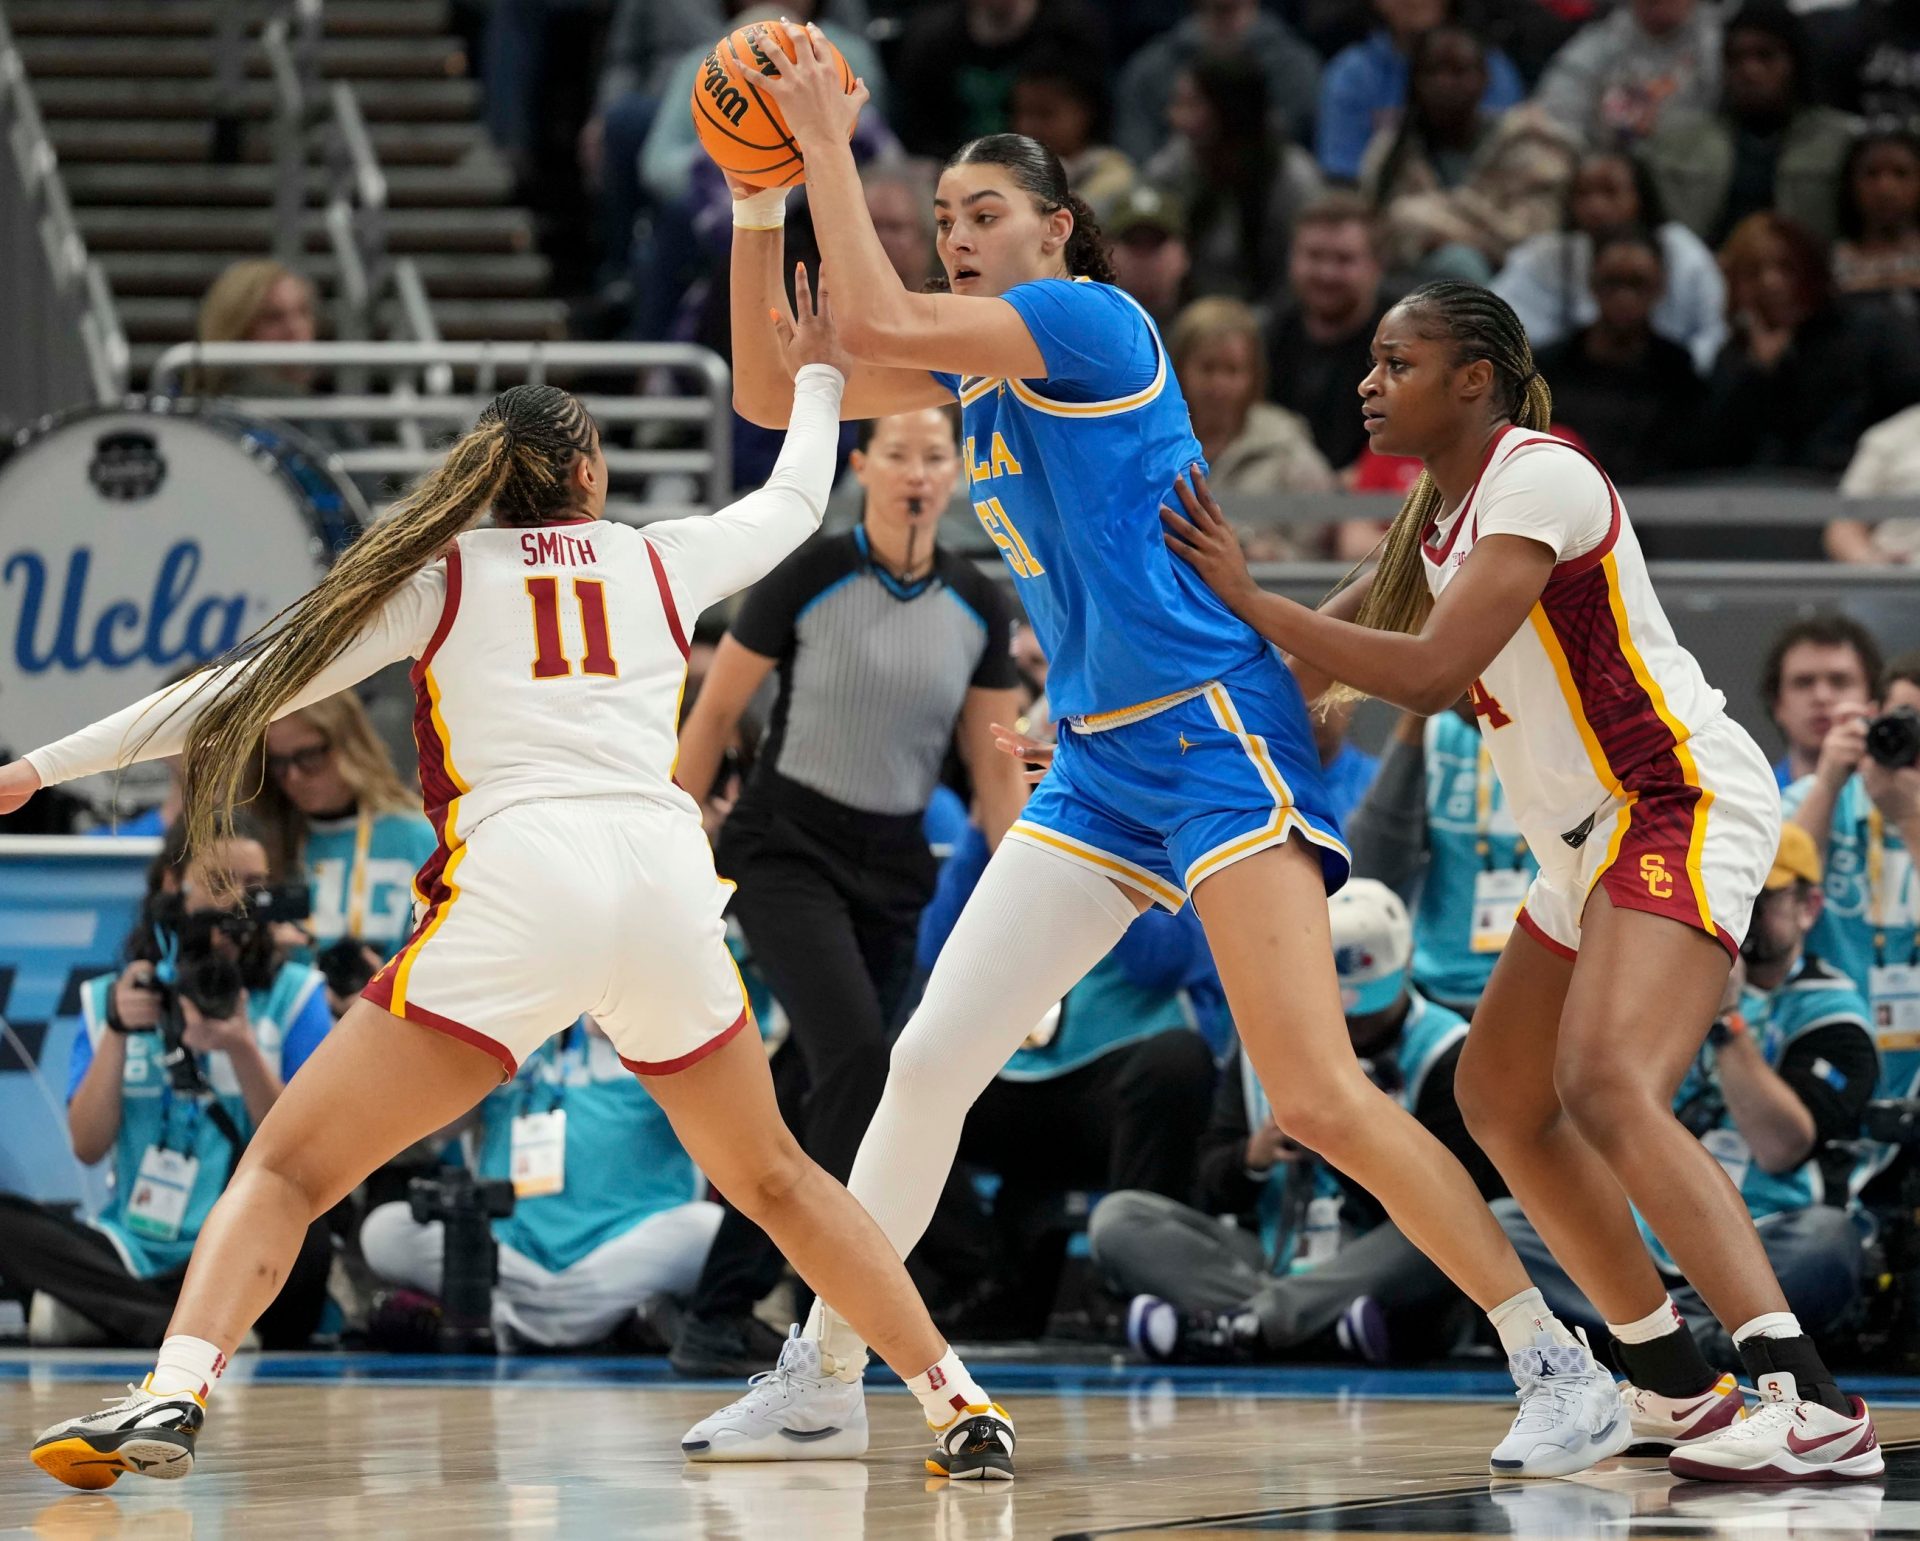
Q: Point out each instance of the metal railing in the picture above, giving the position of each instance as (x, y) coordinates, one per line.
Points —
(60, 331)
(481, 367)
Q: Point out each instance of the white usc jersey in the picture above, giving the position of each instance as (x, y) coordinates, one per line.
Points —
(1593, 701)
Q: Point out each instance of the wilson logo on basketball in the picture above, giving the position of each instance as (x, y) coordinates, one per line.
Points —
(728, 100)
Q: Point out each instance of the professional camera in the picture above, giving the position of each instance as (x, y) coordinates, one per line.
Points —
(343, 964)
(470, 1263)
(1893, 738)
(1894, 1121)
(190, 966)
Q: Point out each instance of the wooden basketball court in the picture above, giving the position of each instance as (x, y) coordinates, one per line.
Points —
(383, 1446)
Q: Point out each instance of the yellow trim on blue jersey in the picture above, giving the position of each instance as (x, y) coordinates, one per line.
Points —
(1100, 722)
(972, 393)
(1284, 820)
(1103, 862)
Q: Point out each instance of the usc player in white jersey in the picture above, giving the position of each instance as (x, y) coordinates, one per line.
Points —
(572, 877)
(1512, 576)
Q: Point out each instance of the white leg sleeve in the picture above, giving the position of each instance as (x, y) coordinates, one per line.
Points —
(662, 1255)
(1033, 927)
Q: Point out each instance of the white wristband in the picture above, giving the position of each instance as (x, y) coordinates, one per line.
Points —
(764, 210)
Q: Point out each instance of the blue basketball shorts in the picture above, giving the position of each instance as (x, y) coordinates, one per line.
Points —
(1162, 802)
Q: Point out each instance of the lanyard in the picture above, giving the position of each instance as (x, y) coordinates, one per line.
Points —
(357, 880)
(1483, 813)
(192, 1132)
(1876, 838)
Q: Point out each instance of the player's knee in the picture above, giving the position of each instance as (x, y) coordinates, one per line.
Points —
(1609, 1102)
(763, 1180)
(1325, 1114)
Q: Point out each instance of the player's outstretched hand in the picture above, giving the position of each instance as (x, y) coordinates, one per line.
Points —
(1034, 755)
(812, 338)
(809, 92)
(1206, 542)
(18, 782)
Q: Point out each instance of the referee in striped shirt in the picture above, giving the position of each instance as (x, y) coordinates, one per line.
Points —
(890, 653)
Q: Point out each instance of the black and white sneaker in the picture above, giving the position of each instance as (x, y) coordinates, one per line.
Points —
(148, 1435)
(977, 1446)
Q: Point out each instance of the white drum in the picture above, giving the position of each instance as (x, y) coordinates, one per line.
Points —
(139, 540)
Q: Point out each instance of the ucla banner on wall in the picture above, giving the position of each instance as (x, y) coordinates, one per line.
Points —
(66, 906)
(139, 540)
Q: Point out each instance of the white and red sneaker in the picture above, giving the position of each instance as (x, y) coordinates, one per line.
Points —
(1785, 1439)
(1662, 1423)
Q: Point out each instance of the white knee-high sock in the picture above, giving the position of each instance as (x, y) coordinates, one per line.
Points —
(1035, 924)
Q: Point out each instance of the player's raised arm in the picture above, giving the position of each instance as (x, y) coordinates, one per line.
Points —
(883, 323)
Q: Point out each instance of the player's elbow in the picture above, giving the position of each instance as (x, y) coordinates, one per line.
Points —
(1429, 693)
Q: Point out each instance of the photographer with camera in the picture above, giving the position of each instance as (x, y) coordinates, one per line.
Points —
(1862, 808)
(184, 1052)
(1776, 1094)
(336, 810)
(608, 1213)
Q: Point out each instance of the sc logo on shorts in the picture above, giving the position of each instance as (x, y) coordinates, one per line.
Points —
(1659, 881)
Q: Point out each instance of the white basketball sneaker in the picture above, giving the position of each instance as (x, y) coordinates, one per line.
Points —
(148, 1435)
(1571, 1416)
(1661, 1424)
(1786, 1440)
(793, 1412)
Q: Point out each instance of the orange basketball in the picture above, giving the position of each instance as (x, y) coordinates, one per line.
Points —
(739, 123)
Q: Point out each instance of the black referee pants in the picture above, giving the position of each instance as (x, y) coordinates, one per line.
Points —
(830, 899)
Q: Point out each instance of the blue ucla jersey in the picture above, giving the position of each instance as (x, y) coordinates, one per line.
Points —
(377, 907)
(1470, 830)
(623, 1162)
(1872, 901)
(1067, 474)
(1814, 997)
(1429, 1031)
(289, 1020)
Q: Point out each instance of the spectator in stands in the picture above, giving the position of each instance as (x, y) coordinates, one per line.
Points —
(1455, 184)
(1110, 1090)
(607, 1224)
(1064, 103)
(1865, 821)
(1240, 27)
(1280, 1250)
(957, 61)
(1251, 445)
(1545, 279)
(1320, 341)
(1877, 259)
(1887, 465)
(1800, 380)
(1776, 1093)
(1814, 668)
(672, 144)
(1628, 392)
(900, 199)
(335, 811)
(1365, 84)
(173, 1131)
(1766, 145)
(1436, 822)
(1617, 77)
(255, 300)
(1347, 768)
(1241, 185)
(1151, 260)
(1877, 62)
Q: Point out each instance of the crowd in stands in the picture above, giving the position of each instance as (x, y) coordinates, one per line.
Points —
(1123, 1176)
(1707, 213)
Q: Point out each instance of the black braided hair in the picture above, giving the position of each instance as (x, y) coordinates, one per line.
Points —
(1039, 172)
(545, 430)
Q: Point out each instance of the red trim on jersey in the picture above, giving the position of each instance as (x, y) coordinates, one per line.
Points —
(671, 1066)
(438, 789)
(1574, 566)
(421, 1017)
(666, 599)
(1660, 824)
(560, 524)
(1532, 927)
(1460, 523)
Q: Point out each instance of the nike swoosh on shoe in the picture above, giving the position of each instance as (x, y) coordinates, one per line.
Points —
(1801, 1446)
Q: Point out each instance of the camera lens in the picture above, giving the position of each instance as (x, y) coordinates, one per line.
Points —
(1893, 740)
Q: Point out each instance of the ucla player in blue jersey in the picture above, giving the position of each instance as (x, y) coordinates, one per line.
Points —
(1186, 762)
